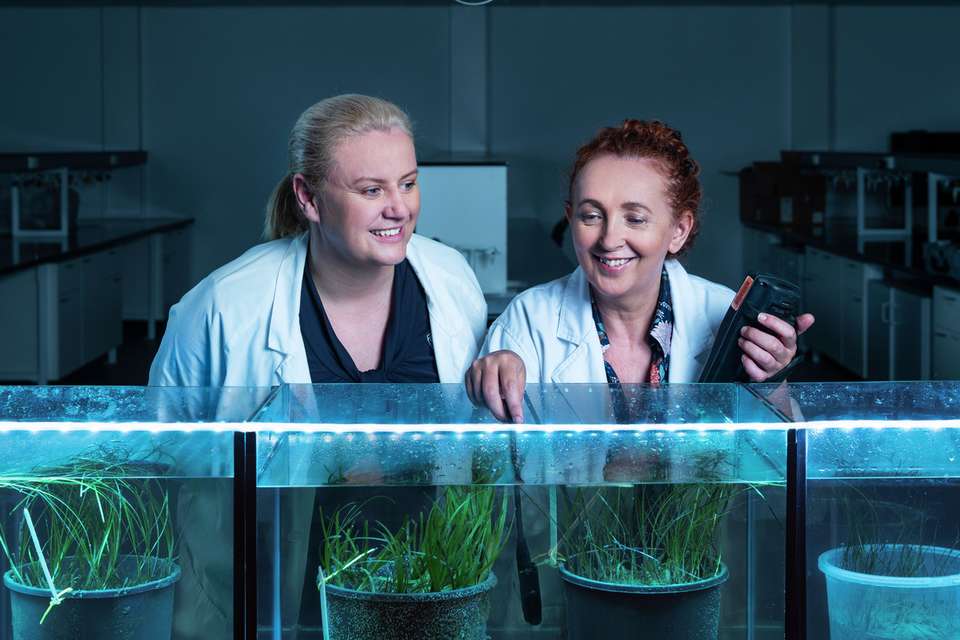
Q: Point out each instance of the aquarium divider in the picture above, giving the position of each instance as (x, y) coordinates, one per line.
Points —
(245, 535)
(795, 587)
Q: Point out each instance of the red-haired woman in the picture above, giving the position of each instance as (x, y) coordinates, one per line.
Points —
(630, 313)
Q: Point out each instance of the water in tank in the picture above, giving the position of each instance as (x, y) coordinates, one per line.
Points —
(402, 511)
(116, 511)
(882, 524)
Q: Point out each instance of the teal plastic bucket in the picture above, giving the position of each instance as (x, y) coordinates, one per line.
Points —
(457, 614)
(866, 606)
(142, 612)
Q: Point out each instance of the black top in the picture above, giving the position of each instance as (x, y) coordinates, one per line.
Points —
(407, 345)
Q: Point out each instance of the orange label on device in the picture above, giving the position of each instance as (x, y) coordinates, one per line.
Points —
(742, 293)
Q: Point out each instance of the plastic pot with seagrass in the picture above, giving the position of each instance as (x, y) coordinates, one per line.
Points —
(429, 579)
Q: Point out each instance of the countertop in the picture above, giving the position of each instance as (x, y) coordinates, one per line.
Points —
(17, 254)
(887, 254)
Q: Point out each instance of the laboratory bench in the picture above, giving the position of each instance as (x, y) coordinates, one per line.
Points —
(67, 297)
(878, 317)
(871, 238)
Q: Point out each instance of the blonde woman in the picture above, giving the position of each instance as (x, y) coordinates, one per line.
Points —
(344, 291)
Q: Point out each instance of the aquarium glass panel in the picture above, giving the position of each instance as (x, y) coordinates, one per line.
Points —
(374, 502)
(172, 432)
(573, 434)
(116, 511)
(883, 528)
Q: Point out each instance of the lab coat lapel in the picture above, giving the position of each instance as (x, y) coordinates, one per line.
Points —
(284, 339)
(692, 338)
(450, 350)
(575, 326)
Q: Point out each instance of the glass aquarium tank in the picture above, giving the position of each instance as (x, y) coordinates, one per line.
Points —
(402, 511)
(882, 536)
(820, 511)
(117, 511)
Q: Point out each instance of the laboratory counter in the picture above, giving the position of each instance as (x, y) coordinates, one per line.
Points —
(70, 295)
(24, 252)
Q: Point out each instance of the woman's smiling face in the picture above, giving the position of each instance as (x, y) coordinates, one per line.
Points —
(370, 200)
(623, 225)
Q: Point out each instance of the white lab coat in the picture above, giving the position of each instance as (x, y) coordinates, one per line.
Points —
(240, 326)
(551, 328)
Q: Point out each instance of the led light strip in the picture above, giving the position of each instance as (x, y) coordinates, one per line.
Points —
(482, 429)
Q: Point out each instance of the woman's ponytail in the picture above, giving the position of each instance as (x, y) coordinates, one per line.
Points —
(284, 217)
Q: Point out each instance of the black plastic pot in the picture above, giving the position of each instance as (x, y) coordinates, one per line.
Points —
(460, 614)
(143, 612)
(600, 610)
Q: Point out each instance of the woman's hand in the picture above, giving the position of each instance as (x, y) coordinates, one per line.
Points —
(496, 381)
(767, 352)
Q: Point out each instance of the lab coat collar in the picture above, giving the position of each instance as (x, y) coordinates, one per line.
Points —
(447, 325)
(575, 321)
(575, 325)
(446, 322)
(692, 334)
(689, 345)
(284, 335)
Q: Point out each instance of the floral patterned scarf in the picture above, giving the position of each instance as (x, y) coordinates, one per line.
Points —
(661, 332)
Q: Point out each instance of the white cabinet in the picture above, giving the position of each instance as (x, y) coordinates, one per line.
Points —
(852, 306)
(899, 333)
(764, 253)
(946, 308)
(18, 323)
(135, 258)
(910, 316)
(946, 334)
(820, 292)
(156, 274)
(67, 319)
(835, 291)
(788, 263)
(58, 316)
(31, 319)
(102, 302)
(946, 354)
(86, 319)
(878, 306)
(855, 278)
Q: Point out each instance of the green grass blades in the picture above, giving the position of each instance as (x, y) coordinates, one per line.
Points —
(654, 534)
(886, 538)
(89, 514)
(452, 546)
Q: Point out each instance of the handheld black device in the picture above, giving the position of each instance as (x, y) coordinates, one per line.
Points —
(759, 293)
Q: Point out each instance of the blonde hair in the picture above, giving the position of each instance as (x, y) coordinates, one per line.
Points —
(313, 140)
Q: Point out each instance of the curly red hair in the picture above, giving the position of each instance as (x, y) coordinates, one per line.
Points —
(655, 140)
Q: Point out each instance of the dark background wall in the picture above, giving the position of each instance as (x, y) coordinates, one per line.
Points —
(211, 92)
